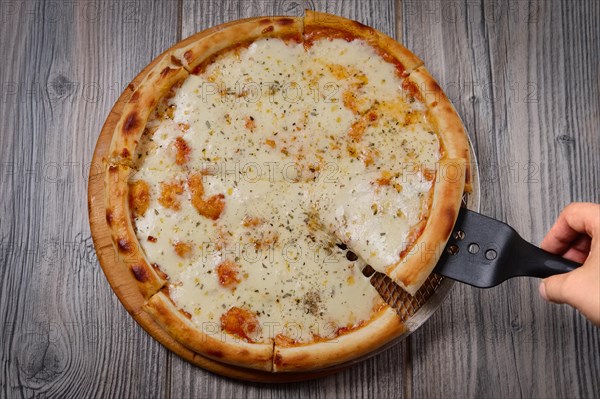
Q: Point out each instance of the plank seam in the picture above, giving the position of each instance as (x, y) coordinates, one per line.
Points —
(407, 371)
(398, 14)
(179, 20)
(407, 366)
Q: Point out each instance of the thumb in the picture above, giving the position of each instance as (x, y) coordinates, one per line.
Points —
(552, 288)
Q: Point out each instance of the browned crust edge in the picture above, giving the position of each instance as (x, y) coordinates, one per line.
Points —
(379, 331)
(317, 24)
(452, 180)
(445, 119)
(138, 108)
(237, 33)
(412, 270)
(127, 248)
(208, 340)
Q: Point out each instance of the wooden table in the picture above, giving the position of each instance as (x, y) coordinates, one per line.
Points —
(523, 76)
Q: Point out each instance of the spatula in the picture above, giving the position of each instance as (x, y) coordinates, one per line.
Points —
(484, 252)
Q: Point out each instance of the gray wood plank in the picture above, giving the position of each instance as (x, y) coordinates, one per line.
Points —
(198, 15)
(536, 134)
(379, 377)
(64, 334)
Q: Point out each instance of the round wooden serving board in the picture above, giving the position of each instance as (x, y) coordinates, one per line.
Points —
(119, 277)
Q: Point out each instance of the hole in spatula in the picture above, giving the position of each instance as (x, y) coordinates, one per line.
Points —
(473, 248)
(452, 249)
(459, 235)
(351, 256)
(490, 254)
(368, 271)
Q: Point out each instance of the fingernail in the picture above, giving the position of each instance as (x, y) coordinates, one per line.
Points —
(542, 290)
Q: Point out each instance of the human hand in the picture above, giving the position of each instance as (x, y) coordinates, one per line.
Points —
(576, 236)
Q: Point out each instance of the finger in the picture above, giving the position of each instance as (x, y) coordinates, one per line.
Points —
(575, 255)
(575, 219)
(579, 250)
(583, 243)
(552, 288)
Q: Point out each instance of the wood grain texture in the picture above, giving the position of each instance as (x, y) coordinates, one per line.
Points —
(524, 77)
(198, 15)
(63, 65)
(64, 333)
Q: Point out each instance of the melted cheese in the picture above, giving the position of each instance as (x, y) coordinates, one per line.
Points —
(271, 127)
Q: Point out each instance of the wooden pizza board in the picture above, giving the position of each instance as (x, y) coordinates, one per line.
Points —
(119, 277)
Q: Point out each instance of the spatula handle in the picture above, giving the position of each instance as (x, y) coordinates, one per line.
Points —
(536, 262)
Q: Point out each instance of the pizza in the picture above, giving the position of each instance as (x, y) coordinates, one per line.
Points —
(257, 170)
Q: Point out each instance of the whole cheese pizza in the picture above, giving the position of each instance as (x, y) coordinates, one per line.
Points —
(254, 174)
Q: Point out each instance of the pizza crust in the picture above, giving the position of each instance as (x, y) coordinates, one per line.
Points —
(441, 113)
(412, 270)
(318, 24)
(138, 108)
(127, 247)
(215, 345)
(445, 119)
(242, 32)
(383, 328)
(452, 180)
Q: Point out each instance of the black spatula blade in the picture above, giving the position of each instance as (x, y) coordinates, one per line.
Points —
(484, 252)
